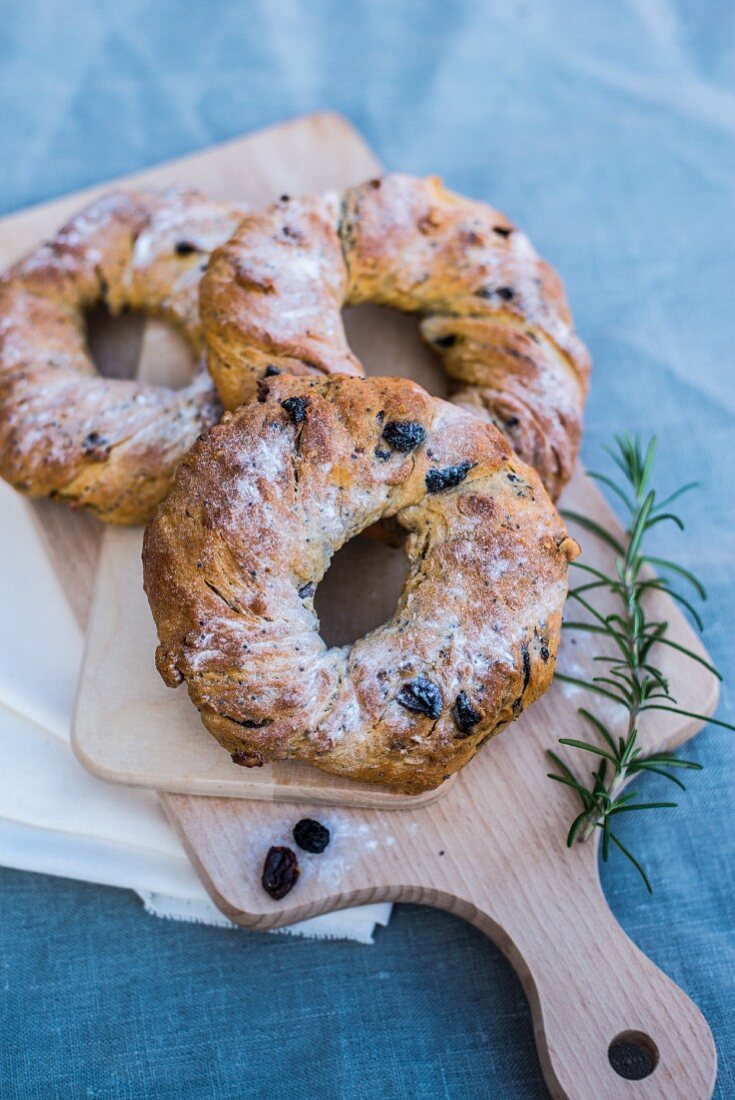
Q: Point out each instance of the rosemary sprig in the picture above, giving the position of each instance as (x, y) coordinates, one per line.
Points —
(630, 678)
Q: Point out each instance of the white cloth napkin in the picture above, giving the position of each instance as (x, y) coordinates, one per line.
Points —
(55, 817)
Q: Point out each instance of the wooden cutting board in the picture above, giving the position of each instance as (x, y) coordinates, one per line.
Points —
(491, 849)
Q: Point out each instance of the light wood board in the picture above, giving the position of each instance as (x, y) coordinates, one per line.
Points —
(490, 850)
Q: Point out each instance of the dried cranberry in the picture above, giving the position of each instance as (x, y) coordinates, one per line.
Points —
(96, 446)
(465, 715)
(421, 695)
(311, 835)
(296, 408)
(505, 292)
(526, 665)
(280, 872)
(438, 480)
(517, 706)
(247, 759)
(404, 435)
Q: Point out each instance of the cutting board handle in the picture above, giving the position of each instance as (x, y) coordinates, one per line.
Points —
(597, 1001)
(594, 996)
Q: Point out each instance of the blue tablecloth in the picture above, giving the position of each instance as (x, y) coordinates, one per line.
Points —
(606, 130)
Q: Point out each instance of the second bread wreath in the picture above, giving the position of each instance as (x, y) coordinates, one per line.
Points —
(490, 307)
(107, 444)
(233, 556)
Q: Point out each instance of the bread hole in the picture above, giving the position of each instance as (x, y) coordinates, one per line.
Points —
(388, 343)
(131, 345)
(365, 579)
(633, 1055)
(360, 590)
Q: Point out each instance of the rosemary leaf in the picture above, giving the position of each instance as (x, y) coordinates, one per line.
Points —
(678, 493)
(661, 517)
(690, 714)
(595, 528)
(590, 687)
(599, 726)
(648, 767)
(618, 809)
(611, 485)
(692, 656)
(586, 746)
(662, 563)
(629, 855)
(574, 828)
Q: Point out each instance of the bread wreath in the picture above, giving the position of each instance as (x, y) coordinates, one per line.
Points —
(105, 444)
(494, 311)
(233, 556)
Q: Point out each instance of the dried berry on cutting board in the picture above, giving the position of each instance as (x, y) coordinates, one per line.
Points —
(280, 872)
(311, 835)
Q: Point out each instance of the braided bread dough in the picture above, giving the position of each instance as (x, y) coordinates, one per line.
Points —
(104, 444)
(494, 311)
(233, 556)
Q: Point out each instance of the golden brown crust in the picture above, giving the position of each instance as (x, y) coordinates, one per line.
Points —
(259, 505)
(108, 445)
(494, 311)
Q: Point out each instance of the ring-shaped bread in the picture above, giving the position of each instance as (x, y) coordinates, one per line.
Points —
(106, 444)
(494, 311)
(232, 558)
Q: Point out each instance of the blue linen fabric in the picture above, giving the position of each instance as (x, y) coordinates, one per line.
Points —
(605, 130)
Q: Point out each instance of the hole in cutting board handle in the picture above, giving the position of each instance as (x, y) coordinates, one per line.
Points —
(633, 1055)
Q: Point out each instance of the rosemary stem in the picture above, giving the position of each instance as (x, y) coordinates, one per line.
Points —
(629, 597)
(632, 677)
(596, 816)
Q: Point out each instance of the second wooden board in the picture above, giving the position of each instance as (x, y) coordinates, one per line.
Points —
(129, 728)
